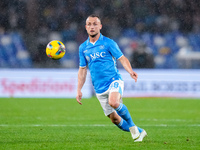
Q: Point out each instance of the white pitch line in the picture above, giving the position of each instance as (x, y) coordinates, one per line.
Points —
(54, 125)
(93, 125)
(173, 120)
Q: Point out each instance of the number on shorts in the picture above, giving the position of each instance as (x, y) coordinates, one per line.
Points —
(116, 84)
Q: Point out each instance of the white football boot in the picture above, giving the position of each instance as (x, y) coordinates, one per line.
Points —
(142, 135)
(134, 132)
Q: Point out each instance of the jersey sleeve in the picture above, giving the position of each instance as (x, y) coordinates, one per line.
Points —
(82, 60)
(115, 50)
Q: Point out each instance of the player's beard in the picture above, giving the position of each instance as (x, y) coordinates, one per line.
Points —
(93, 35)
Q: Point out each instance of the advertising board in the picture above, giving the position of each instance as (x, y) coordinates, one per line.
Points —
(62, 83)
(57, 83)
(162, 83)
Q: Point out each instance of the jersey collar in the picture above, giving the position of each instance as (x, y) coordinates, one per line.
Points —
(100, 38)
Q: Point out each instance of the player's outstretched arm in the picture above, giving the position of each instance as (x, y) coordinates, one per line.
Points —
(127, 66)
(82, 72)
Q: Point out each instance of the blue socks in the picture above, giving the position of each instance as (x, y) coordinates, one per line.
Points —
(123, 125)
(126, 120)
(124, 113)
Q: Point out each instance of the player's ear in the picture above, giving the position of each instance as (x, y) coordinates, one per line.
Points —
(100, 26)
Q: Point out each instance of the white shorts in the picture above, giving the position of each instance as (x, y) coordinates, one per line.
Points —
(115, 86)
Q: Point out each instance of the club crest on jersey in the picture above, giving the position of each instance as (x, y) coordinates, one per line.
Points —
(101, 46)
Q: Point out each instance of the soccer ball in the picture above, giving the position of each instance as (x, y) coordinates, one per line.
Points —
(55, 49)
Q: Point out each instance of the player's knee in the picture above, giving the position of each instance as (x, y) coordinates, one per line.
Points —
(114, 99)
(114, 104)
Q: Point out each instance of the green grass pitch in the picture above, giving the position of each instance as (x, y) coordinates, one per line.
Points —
(63, 124)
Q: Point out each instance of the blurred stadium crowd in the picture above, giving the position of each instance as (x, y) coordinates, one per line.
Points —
(151, 33)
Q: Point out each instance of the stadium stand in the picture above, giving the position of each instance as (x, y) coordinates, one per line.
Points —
(170, 29)
(13, 53)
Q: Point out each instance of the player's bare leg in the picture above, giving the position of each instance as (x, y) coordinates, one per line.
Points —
(122, 111)
(115, 118)
(118, 121)
(114, 99)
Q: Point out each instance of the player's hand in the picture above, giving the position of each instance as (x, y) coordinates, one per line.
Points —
(78, 97)
(134, 75)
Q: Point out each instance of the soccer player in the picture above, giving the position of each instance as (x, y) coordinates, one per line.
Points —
(99, 54)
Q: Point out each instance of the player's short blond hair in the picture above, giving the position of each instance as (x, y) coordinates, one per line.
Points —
(94, 15)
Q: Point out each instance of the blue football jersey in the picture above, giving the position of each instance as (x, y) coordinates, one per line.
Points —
(100, 58)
